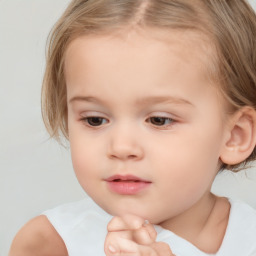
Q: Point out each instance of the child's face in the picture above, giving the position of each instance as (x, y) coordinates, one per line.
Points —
(158, 123)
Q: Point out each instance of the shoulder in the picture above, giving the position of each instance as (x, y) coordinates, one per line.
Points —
(38, 237)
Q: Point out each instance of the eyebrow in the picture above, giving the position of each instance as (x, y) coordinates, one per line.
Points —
(143, 101)
(85, 98)
(163, 99)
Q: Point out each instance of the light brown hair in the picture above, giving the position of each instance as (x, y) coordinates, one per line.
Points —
(230, 24)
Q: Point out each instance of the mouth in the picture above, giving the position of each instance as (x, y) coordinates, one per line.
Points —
(127, 184)
(125, 178)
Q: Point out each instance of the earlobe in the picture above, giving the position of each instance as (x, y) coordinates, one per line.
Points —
(241, 140)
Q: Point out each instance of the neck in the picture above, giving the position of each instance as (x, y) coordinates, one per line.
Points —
(204, 224)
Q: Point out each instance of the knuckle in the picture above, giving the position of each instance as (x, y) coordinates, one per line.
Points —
(115, 223)
(133, 221)
(152, 232)
(142, 236)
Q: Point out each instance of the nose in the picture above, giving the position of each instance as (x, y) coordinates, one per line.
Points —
(125, 145)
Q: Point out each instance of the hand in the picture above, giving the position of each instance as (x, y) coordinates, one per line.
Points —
(132, 236)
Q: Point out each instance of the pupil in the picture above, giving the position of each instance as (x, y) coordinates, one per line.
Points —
(95, 121)
(158, 120)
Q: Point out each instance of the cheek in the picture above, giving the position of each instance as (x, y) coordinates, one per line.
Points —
(85, 168)
(82, 155)
(188, 161)
(187, 150)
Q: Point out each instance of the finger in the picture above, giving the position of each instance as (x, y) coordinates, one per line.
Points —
(151, 230)
(115, 245)
(162, 249)
(142, 232)
(126, 222)
(133, 221)
(142, 236)
(117, 224)
(124, 247)
(145, 235)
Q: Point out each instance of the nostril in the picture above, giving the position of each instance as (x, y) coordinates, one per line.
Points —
(132, 156)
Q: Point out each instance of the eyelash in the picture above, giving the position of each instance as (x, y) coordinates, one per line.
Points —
(161, 119)
(90, 118)
(153, 120)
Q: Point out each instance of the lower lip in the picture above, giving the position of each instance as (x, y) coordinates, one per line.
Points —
(127, 187)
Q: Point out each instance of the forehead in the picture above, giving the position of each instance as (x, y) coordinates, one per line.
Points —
(137, 56)
(139, 65)
(136, 61)
(189, 47)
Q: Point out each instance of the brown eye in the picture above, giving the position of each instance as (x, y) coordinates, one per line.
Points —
(160, 121)
(95, 121)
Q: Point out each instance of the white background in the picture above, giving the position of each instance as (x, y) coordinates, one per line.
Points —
(35, 172)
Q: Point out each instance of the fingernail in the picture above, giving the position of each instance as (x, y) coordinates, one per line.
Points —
(111, 248)
(146, 222)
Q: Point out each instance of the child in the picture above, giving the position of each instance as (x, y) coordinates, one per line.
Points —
(155, 98)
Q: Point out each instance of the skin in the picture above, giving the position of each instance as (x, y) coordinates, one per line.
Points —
(166, 81)
(38, 238)
(179, 154)
(131, 235)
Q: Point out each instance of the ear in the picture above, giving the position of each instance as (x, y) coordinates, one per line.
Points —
(241, 137)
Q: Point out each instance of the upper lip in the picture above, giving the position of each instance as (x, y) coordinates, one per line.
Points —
(128, 177)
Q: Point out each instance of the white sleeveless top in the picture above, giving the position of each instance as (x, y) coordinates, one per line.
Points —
(83, 228)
